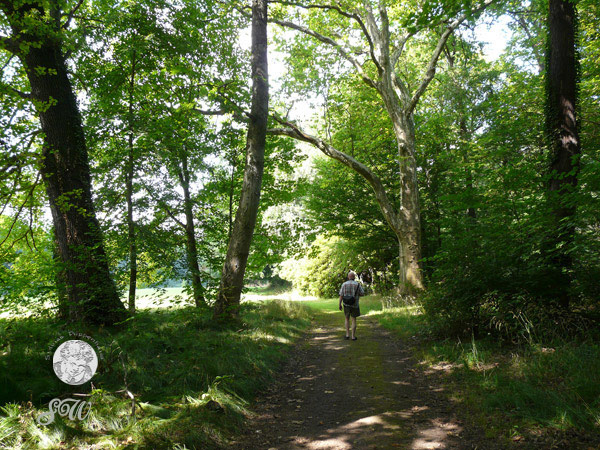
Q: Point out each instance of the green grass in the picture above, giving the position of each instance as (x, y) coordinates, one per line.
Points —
(368, 304)
(266, 289)
(512, 391)
(191, 378)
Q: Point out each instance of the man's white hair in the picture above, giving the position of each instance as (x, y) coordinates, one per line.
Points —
(351, 275)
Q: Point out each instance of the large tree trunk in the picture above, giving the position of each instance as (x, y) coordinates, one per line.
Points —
(129, 194)
(561, 107)
(91, 293)
(409, 212)
(232, 278)
(411, 277)
(190, 233)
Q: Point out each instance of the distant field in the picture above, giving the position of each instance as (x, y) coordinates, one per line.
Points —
(159, 298)
(164, 298)
(147, 298)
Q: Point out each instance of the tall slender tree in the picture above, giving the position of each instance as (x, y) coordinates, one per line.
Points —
(232, 277)
(565, 148)
(129, 175)
(37, 40)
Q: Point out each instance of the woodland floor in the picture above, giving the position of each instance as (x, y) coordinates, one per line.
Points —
(364, 394)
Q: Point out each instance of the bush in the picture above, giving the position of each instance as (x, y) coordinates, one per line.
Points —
(491, 278)
(322, 272)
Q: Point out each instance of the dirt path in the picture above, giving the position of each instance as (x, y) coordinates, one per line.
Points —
(366, 394)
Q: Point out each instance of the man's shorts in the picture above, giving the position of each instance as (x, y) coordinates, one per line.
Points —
(351, 311)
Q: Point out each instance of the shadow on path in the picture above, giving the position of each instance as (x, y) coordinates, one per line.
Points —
(364, 394)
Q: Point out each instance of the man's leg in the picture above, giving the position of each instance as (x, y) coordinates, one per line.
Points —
(353, 326)
(347, 325)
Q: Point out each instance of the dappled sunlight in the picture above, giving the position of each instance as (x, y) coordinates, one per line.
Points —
(290, 296)
(410, 310)
(384, 430)
(435, 436)
(356, 395)
(261, 335)
(443, 366)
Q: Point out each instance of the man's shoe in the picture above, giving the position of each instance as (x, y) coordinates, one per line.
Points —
(354, 338)
(347, 337)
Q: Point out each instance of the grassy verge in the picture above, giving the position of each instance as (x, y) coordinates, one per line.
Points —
(367, 304)
(191, 379)
(535, 393)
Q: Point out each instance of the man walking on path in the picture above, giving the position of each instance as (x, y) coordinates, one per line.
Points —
(350, 292)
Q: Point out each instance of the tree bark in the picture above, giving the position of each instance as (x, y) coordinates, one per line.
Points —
(411, 277)
(91, 293)
(561, 123)
(231, 193)
(129, 194)
(232, 277)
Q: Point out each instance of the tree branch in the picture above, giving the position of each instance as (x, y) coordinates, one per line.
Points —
(372, 32)
(163, 206)
(329, 41)
(386, 206)
(536, 53)
(430, 71)
(23, 95)
(209, 112)
(28, 195)
(354, 16)
(398, 49)
(71, 14)
(5, 65)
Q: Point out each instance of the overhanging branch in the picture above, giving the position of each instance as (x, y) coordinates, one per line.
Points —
(293, 131)
(327, 40)
(399, 48)
(163, 205)
(23, 95)
(71, 14)
(210, 112)
(371, 23)
(354, 16)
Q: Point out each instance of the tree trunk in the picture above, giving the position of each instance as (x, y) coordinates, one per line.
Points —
(232, 277)
(409, 213)
(231, 192)
(190, 233)
(561, 123)
(129, 195)
(91, 293)
(411, 277)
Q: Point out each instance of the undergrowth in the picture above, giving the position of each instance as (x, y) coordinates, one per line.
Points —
(190, 379)
(514, 390)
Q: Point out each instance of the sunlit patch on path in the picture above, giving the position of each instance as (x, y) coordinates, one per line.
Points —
(336, 394)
